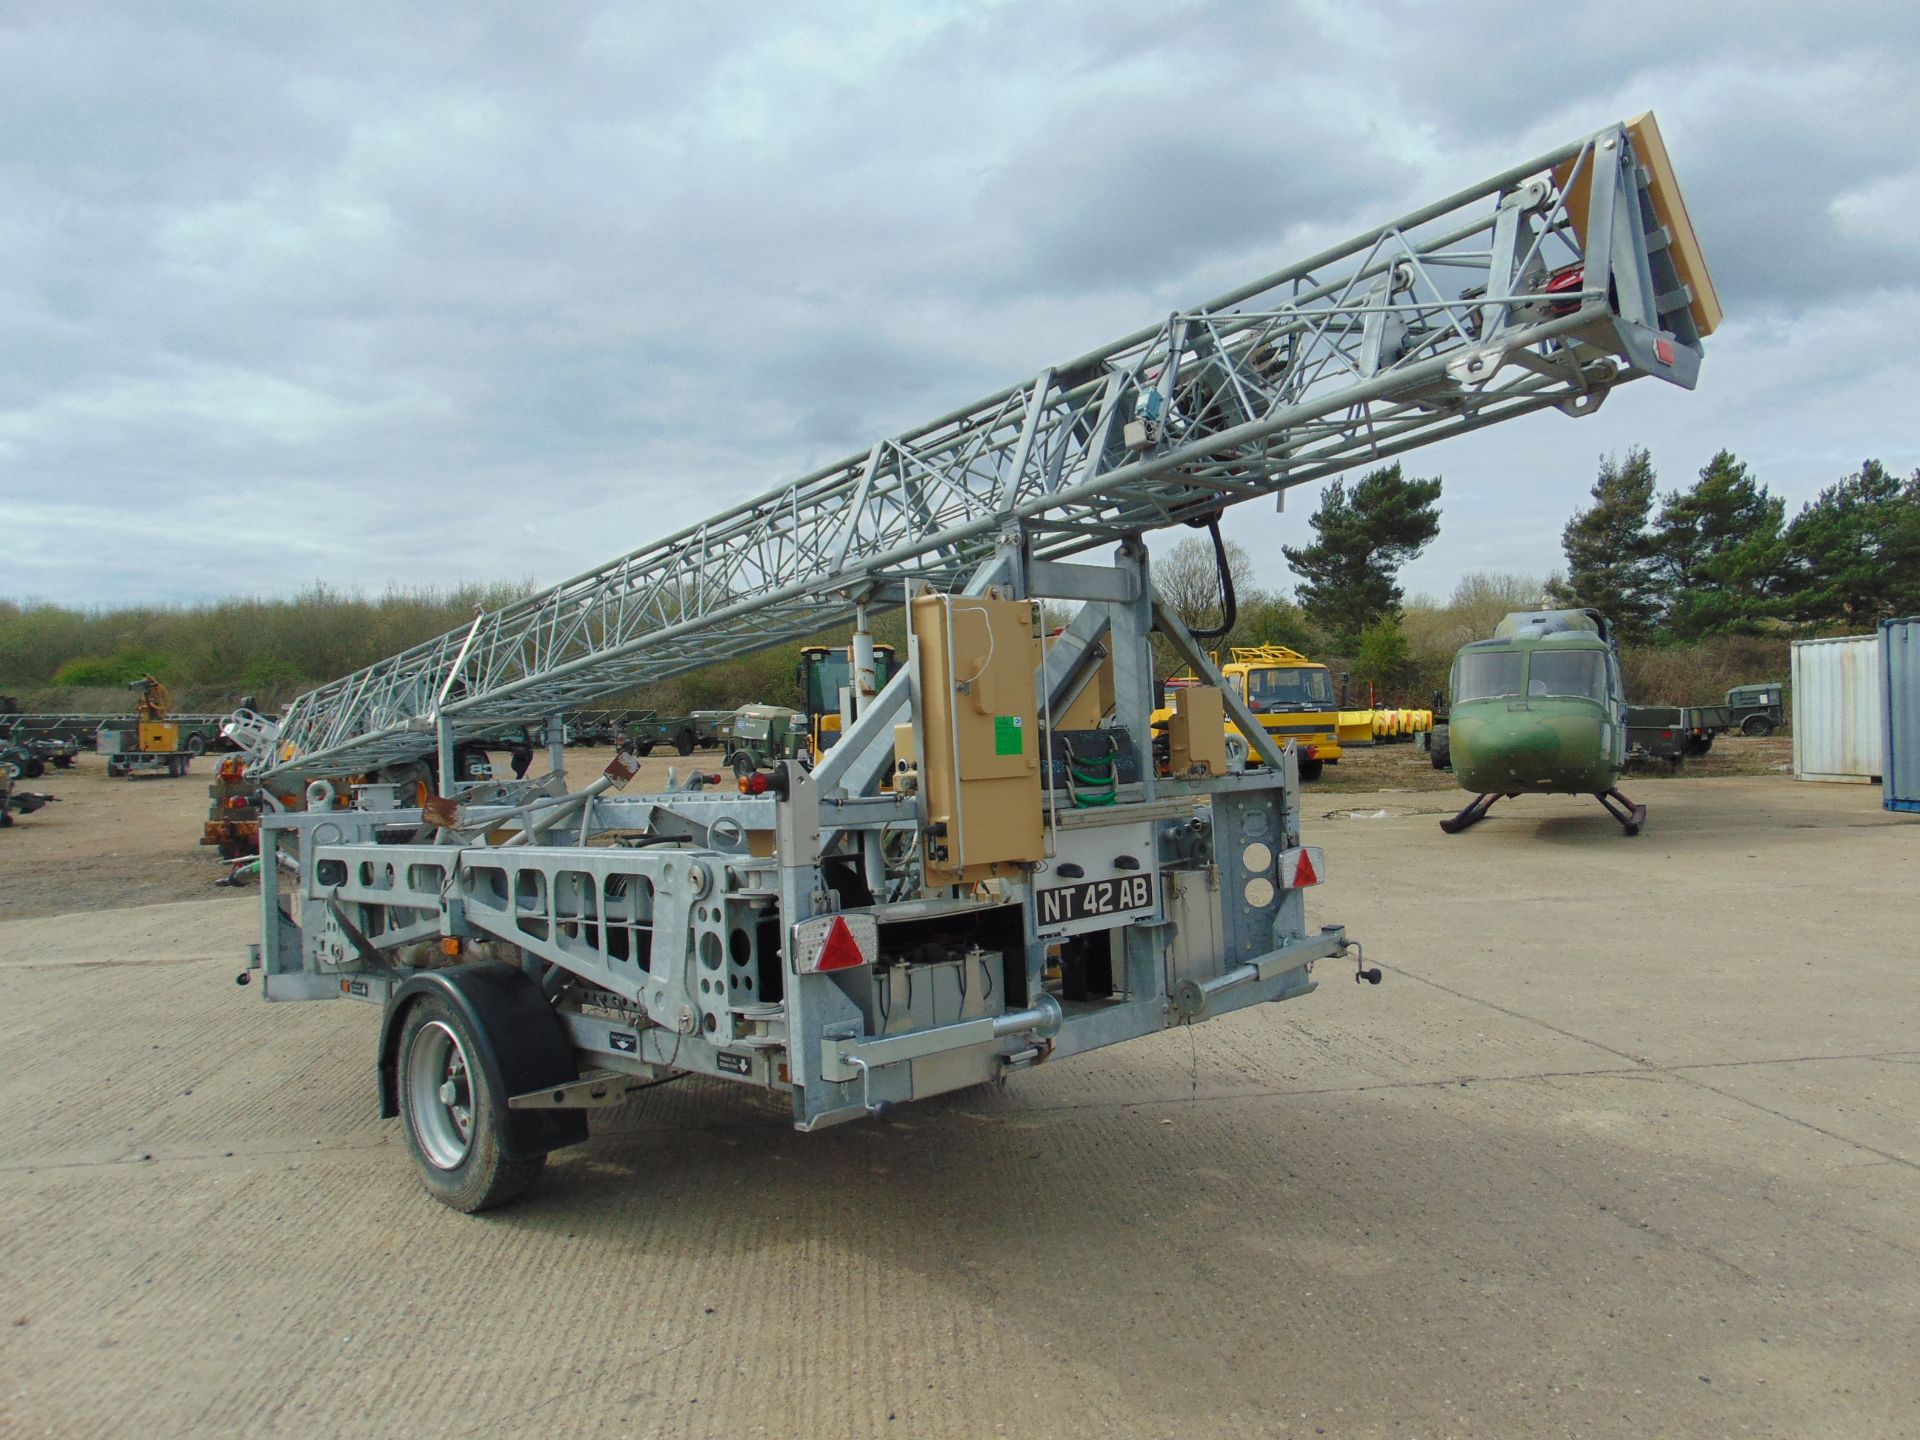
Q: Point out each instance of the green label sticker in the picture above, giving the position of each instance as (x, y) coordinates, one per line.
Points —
(1007, 735)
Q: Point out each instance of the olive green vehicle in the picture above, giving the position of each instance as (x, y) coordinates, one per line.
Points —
(1540, 710)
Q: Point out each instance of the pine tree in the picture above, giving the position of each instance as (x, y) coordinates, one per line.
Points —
(1384, 658)
(1609, 552)
(1349, 576)
(1718, 551)
(1853, 554)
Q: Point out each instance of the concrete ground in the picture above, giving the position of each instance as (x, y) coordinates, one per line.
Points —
(1625, 1145)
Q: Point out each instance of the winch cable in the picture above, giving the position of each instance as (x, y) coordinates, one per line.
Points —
(1229, 602)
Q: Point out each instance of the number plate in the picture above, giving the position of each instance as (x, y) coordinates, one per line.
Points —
(1066, 905)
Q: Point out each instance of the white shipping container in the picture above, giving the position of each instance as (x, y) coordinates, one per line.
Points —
(1837, 715)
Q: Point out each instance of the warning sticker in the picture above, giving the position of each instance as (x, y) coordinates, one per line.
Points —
(1008, 735)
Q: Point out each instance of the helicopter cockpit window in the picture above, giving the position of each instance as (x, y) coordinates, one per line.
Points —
(1581, 673)
(1487, 674)
(1306, 688)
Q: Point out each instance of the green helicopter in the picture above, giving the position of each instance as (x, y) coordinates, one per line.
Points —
(1540, 710)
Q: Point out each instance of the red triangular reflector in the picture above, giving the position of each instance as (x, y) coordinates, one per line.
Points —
(842, 951)
(1304, 873)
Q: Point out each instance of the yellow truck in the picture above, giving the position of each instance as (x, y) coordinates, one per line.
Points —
(1292, 696)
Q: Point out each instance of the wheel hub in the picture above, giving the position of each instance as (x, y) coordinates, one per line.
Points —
(440, 1095)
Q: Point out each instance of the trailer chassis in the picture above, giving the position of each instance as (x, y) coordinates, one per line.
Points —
(671, 933)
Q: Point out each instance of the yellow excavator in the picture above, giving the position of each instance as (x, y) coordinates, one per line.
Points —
(831, 681)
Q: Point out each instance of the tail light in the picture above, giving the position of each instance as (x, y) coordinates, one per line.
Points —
(764, 782)
(835, 942)
(1302, 866)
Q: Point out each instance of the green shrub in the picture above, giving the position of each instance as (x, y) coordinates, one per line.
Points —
(121, 669)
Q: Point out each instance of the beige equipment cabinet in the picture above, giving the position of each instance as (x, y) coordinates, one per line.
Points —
(1197, 732)
(979, 747)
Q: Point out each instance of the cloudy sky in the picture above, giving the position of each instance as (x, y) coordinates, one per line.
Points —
(402, 294)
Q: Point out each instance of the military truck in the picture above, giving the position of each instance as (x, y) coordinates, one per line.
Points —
(755, 736)
(685, 733)
(1754, 710)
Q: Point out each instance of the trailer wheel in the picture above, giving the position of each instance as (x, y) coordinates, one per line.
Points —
(1312, 769)
(451, 1118)
(683, 742)
(1440, 748)
(643, 749)
(196, 744)
(35, 767)
(1757, 726)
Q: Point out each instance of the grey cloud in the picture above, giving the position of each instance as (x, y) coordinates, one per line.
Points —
(520, 289)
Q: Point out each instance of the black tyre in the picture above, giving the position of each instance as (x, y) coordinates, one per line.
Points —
(1312, 769)
(1757, 726)
(196, 744)
(450, 1116)
(63, 762)
(644, 748)
(1440, 749)
(1699, 744)
(35, 767)
(683, 742)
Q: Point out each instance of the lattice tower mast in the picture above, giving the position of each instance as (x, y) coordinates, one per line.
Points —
(1545, 286)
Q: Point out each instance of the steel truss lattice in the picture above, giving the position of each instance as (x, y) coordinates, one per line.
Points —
(1438, 323)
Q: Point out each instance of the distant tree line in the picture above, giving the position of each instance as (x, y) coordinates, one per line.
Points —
(210, 655)
(251, 646)
(1691, 568)
(1722, 558)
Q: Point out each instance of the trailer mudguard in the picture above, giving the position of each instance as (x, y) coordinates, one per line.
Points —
(523, 1046)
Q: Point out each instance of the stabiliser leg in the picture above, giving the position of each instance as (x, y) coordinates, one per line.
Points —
(1630, 815)
(1474, 812)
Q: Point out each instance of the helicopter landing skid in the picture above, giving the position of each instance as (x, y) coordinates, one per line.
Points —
(1474, 812)
(1630, 815)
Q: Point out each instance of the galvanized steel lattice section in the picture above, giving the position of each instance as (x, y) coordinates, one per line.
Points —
(1492, 303)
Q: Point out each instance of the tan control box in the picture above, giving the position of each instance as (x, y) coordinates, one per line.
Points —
(159, 737)
(979, 738)
(1197, 732)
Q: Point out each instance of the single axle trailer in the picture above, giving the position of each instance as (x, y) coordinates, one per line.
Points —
(989, 870)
